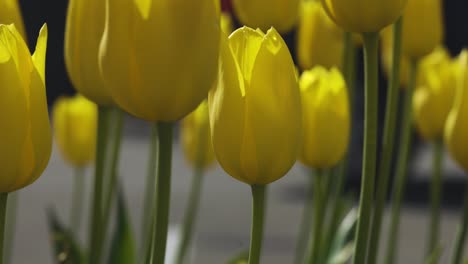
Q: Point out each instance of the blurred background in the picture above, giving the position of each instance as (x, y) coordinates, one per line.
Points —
(223, 227)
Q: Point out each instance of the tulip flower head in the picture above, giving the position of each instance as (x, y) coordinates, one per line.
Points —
(362, 16)
(196, 138)
(159, 58)
(456, 127)
(326, 117)
(75, 124)
(10, 13)
(263, 14)
(25, 132)
(255, 110)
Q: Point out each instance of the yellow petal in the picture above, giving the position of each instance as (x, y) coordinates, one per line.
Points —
(39, 56)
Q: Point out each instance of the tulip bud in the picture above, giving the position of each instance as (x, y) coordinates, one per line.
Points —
(422, 28)
(434, 94)
(255, 111)
(10, 13)
(325, 117)
(25, 128)
(456, 127)
(196, 137)
(75, 124)
(158, 66)
(320, 41)
(263, 14)
(84, 29)
(364, 15)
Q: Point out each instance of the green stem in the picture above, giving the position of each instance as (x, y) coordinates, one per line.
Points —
(190, 215)
(402, 164)
(96, 213)
(76, 209)
(436, 196)
(461, 233)
(304, 230)
(10, 231)
(256, 232)
(3, 212)
(387, 144)
(163, 192)
(370, 146)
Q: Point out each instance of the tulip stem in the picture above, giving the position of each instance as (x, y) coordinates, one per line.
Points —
(304, 231)
(461, 233)
(371, 43)
(402, 164)
(96, 213)
(387, 144)
(256, 232)
(162, 192)
(12, 207)
(436, 196)
(3, 212)
(76, 208)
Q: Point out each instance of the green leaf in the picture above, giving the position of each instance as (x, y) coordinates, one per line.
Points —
(343, 245)
(241, 258)
(66, 250)
(123, 245)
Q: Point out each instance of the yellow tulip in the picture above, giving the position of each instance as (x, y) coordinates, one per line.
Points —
(422, 28)
(10, 13)
(326, 117)
(456, 127)
(434, 94)
(196, 137)
(226, 23)
(157, 65)
(364, 15)
(320, 41)
(84, 29)
(75, 124)
(263, 14)
(25, 128)
(255, 111)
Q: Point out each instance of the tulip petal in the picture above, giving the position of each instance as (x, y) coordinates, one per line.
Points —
(39, 56)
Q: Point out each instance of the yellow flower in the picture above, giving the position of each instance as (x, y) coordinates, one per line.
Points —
(456, 128)
(422, 28)
(320, 41)
(326, 118)
(159, 58)
(434, 94)
(196, 137)
(10, 13)
(387, 57)
(255, 111)
(364, 15)
(25, 128)
(263, 14)
(226, 23)
(75, 123)
(84, 29)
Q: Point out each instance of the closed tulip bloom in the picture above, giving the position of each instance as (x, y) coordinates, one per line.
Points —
(255, 111)
(157, 65)
(320, 41)
(10, 13)
(25, 128)
(326, 118)
(422, 28)
(263, 14)
(84, 29)
(456, 127)
(364, 15)
(75, 123)
(196, 138)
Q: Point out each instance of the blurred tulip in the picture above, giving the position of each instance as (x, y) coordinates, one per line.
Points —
(263, 14)
(364, 15)
(422, 28)
(320, 41)
(196, 138)
(226, 23)
(434, 94)
(25, 124)
(387, 57)
(84, 29)
(10, 13)
(255, 111)
(147, 63)
(75, 124)
(326, 117)
(456, 127)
